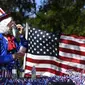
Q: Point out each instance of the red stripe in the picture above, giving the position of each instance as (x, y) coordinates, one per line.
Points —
(72, 60)
(72, 42)
(27, 75)
(72, 51)
(51, 62)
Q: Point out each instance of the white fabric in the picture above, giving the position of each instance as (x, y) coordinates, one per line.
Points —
(3, 25)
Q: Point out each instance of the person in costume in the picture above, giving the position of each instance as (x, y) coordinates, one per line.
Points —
(9, 46)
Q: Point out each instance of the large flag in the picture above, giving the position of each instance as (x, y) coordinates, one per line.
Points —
(72, 54)
(42, 53)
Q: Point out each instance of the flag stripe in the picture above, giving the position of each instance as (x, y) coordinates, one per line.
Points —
(78, 48)
(72, 50)
(82, 53)
(70, 55)
(72, 42)
(74, 38)
(72, 60)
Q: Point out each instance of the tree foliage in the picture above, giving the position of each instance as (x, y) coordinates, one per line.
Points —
(18, 8)
(53, 15)
(65, 15)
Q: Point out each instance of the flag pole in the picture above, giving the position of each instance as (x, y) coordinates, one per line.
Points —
(26, 37)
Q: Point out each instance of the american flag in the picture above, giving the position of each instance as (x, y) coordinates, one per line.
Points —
(42, 53)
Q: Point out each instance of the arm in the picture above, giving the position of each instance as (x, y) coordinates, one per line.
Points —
(23, 44)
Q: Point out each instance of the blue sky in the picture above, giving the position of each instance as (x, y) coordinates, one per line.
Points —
(38, 2)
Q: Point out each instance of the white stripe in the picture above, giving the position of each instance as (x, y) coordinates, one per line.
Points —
(70, 55)
(73, 39)
(73, 47)
(41, 57)
(42, 65)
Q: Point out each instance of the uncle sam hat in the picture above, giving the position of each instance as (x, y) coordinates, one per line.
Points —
(6, 17)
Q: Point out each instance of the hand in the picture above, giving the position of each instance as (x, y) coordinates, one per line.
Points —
(20, 28)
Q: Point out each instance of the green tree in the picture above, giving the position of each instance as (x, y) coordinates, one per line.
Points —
(18, 8)
(57, 15)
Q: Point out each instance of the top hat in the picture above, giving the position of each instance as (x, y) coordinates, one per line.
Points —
(3, 15)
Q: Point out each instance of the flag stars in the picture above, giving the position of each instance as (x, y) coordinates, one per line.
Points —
(32, 34)
(33, 28)
(50, 53)
(37, 46)
(34, 43)
(53, 51)
(35, 31)
(47, 34)
(37, 41)
(38, 52)
(28, 50)
(34, 37)
(41, 33)
(41, 50)
(41, 42)
(34, 49)
(50, 48)
(47, 50)
(44, 52)
(46, 44)
(49, 37)
(29, 39)
(37, 35)
(31, 31)
(44, 47)
(55, 38)
(40, 38)
(46, 39)
(29, 45)
(52, 40)
(32, 40)
(53, 35)
(43, 36)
